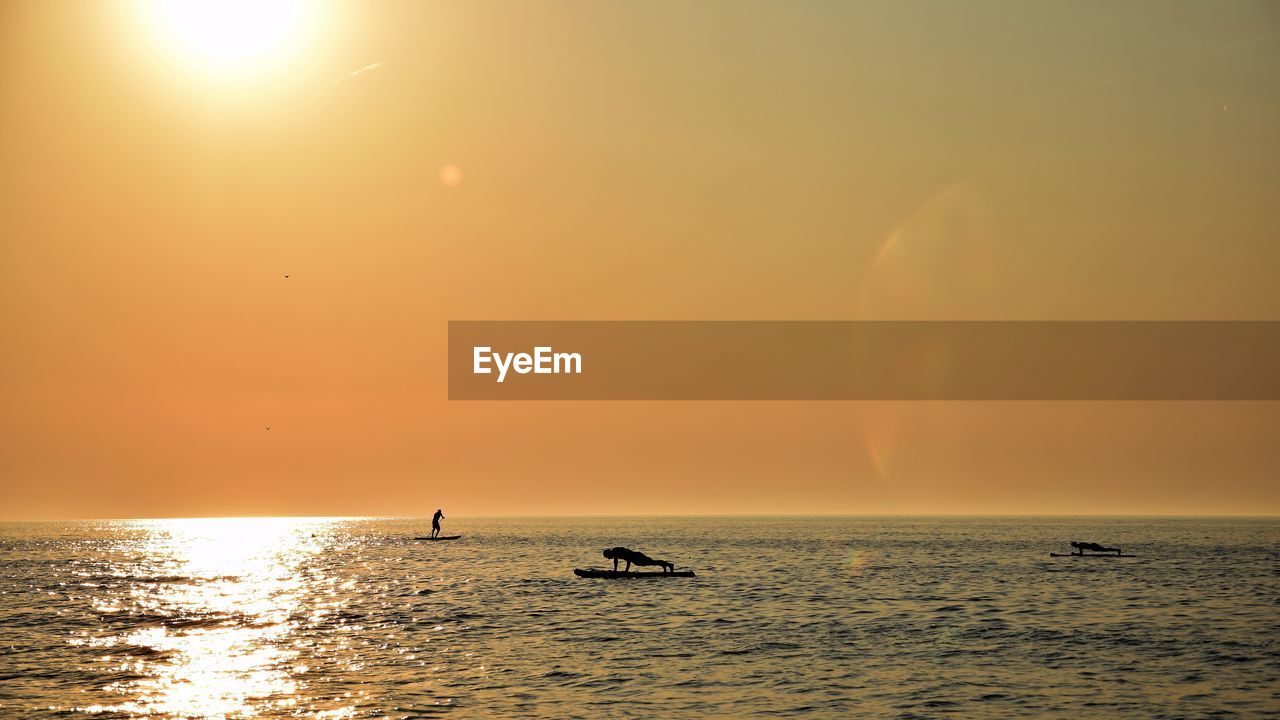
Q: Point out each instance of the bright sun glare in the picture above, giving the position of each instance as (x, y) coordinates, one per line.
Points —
(229, 33)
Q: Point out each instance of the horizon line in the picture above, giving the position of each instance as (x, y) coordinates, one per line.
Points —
(1252, 516)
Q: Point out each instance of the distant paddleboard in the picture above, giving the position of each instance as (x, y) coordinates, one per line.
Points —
(622, 575)
(1053, 554)
(440, 537)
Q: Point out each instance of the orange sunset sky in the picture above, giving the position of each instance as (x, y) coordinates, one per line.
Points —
(164, 167)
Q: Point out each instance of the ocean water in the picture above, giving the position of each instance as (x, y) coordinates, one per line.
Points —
(788, 617)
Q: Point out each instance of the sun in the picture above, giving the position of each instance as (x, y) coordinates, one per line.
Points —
(228, 34)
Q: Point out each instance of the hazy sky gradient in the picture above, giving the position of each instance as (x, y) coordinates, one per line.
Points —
(728, 160)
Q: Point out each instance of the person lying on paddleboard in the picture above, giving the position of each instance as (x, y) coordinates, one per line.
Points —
(633, 557)
(435, 522)
(1093, 547)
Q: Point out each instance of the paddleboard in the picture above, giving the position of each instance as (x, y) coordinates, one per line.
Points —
(440, 537)
(622, 575)
(1053, 554)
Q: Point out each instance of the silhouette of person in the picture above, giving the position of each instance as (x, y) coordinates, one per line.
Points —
(633, 557)
(435, 522)
(1092, 547)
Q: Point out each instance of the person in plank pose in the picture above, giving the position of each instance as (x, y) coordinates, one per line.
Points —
(1092, 547)
(633, 557)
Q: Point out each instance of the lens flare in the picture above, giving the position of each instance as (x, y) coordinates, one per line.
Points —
(937, 264)
(857, 561)
(451, 176)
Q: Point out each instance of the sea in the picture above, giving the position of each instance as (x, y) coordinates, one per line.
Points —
(815, 617)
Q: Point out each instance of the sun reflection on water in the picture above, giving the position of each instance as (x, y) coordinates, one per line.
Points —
(213, 618)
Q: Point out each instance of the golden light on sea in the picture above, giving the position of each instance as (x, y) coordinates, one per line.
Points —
(227, 594)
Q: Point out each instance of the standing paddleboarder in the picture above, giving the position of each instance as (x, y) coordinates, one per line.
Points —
(435, 522)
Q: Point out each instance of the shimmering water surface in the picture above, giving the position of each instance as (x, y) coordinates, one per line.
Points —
(821, 617)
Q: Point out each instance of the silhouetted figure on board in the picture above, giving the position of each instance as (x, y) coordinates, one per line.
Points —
(435, 522)
(1092, 547)
(633, 557)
